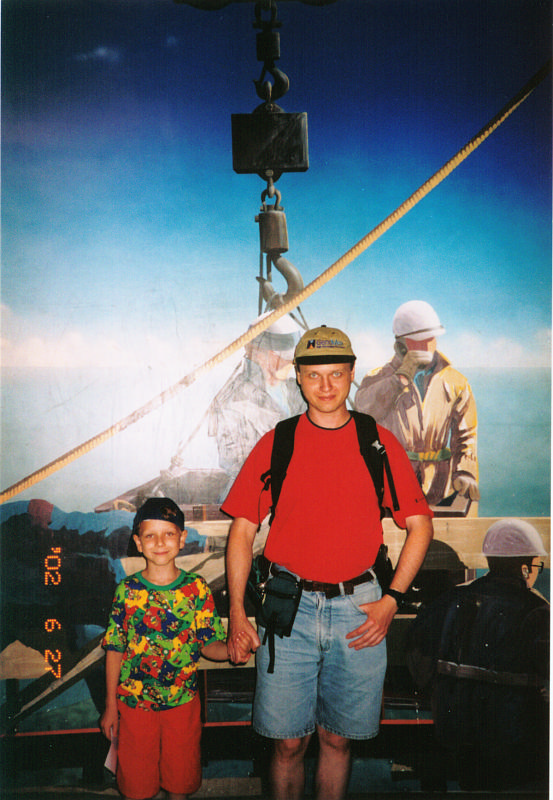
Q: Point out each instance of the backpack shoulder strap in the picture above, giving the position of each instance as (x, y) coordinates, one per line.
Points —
(283, 447)
(370, 446)
(375, 456)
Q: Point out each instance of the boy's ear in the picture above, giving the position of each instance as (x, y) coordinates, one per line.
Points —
(137, 542)
(183, 536)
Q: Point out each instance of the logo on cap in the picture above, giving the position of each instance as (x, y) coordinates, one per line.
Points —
(330, 343)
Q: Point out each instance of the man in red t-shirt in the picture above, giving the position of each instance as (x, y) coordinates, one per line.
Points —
(329, 672)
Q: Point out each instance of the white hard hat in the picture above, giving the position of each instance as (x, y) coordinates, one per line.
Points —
(282, 336)
(511, 538)
(417, 320)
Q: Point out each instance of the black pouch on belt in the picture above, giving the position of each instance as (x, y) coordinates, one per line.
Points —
(383, 568)
(257, 580)
(281, 598)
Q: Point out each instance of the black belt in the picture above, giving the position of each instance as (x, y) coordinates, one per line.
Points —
(334, 589)
(489, 675)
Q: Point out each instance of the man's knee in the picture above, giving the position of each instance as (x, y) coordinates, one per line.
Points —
(290, 749)
(333, 741)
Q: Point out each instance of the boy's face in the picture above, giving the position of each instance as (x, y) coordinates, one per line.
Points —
(159, 541)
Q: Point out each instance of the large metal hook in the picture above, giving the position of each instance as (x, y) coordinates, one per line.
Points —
(293, 279)
(270, 92)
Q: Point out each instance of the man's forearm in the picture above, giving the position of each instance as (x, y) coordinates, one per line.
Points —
(381, 613)
(239, 561)
(419, 535)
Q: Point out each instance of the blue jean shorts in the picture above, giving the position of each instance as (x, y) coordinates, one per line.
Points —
(318, 679)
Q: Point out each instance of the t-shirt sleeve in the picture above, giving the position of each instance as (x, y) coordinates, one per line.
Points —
(209, 626)
(115, 636)
(248, 497)
(411, 499)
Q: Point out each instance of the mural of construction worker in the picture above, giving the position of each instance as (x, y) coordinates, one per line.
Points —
(428, 405)
(260, 393)
(481, 653)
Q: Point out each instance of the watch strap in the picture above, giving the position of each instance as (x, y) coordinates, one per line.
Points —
(399, 597)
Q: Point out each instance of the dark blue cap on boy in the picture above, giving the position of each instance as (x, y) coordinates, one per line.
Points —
(161, 508)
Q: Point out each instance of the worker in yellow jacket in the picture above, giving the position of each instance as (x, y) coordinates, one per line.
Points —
(428, 405)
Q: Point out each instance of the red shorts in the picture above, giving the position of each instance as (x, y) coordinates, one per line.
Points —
(159, 750)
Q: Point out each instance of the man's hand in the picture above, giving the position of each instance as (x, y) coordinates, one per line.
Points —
(242, 641)
(413, 360)
(379, 617)
(381, 613)
(466, 485)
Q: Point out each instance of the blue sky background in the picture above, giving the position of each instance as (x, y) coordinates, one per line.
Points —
(129, 244)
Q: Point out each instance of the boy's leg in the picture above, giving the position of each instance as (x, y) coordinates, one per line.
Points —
(180, 766)
(137, 774)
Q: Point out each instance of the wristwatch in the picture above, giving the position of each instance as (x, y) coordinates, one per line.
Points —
(399, 597)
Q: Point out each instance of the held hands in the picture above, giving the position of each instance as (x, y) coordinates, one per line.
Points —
(379, 617)
(242, 641)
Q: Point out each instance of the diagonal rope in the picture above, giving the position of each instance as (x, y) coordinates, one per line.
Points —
(310, 289)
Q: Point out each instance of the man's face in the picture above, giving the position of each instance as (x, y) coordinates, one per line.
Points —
(275, 368)
(325, 386)
(426, 345)
(275, 365)
(533, 573)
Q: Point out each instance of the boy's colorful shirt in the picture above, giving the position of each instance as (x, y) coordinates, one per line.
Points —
(160, 629)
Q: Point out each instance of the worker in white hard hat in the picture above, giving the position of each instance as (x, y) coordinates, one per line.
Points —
(261, 392)
(428, 405)
(482, 651)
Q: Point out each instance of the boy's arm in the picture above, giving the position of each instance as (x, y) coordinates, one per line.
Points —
(215, 651)
(110, 717)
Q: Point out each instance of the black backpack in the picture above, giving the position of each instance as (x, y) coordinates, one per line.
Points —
(372, 450)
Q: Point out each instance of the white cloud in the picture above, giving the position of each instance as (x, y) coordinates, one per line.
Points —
(102, 53)
(372, 350)
(472, 350)
(465, 351)
(25, 345)
(70, 350)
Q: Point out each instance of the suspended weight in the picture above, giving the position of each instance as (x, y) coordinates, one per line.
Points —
(273, 232)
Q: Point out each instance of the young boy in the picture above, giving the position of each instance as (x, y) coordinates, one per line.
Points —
(162, 620)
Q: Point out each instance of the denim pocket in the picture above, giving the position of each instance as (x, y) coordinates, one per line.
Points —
(368, 592)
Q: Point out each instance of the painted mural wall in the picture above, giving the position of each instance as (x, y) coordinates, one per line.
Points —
(131, 258)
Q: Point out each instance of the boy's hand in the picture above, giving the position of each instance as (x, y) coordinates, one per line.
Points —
(242, 641)
(109, 722)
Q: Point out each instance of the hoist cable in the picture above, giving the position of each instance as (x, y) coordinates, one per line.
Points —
(310, 289)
